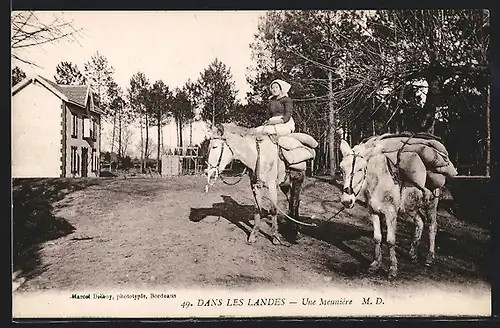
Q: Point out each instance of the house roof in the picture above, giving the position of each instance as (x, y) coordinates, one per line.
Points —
(75, 94)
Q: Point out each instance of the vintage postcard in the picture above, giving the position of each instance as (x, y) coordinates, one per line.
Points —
(208, 164)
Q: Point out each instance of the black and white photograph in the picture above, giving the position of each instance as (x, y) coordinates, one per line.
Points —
(244, 164)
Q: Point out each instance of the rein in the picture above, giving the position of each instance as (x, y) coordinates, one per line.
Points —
(289, 217)
(218, 170)
(238, 181)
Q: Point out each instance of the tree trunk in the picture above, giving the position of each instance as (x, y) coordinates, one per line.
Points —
(125, 138)
(113, 134)
(162, 143)
(158, 157)
(213, 109)
(120, 148)
(332, 125)
(488, 132)
(142, 143)
(429, 109)
(400, 120)
(326, 158)
(180, 132)
(146, 147)
(191, 133)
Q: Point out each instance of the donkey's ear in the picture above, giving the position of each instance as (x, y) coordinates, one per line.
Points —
(345, 148)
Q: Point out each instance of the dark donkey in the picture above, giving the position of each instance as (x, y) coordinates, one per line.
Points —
(266, 169)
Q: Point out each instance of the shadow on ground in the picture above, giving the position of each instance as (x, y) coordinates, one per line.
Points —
(460, 255)
(33, 220)
(231, 211)
(333, 233)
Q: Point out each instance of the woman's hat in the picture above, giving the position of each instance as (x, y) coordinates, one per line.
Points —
(285, 87)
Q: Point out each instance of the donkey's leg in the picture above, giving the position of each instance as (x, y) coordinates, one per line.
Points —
(291, 226)
(417, 235)
(431, 213)
(391, 222)
(257, 194)
(273, 196)
(377, 238)
(297, 182)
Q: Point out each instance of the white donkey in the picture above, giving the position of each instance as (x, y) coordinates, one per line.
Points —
(369, 176)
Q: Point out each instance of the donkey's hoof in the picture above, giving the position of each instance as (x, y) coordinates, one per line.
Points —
(429, 260)
(251, 240)
(374, 267)
(413, 255)
(392, 274)
(295, 238)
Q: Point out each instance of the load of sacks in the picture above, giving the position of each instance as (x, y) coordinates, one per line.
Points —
(416, 154)
(297, 148)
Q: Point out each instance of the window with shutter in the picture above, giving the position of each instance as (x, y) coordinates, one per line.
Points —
(73, 160)
(94, 129)
(86, 127)
(74, 125)
(91, 123)
(93, 166)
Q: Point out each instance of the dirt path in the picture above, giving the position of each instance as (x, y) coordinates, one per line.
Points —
(150, 232)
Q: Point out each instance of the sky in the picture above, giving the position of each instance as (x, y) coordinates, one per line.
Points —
(171, 46)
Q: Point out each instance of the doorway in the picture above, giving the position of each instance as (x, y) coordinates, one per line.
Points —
(85, 161)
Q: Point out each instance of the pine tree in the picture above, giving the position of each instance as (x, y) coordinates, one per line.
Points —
(139, 99)
(160, 97)
(216, 93)
(99, 74)
(68, 73)
(17, 75)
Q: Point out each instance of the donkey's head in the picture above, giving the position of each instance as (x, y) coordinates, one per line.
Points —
(353, 167)
(219, 153)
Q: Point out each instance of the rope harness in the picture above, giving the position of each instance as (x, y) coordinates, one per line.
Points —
(396, 172)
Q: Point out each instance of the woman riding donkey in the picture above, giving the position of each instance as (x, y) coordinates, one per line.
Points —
(280, 123)
(280, 110)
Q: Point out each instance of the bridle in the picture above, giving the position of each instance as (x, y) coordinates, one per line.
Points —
(218, 169)
(350, 190)
(217, 166)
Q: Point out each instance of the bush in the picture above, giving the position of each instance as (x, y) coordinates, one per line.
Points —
(127, 162)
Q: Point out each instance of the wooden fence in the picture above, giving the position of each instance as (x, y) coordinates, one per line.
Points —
(181, 161)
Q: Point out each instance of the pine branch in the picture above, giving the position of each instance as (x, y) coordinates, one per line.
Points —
(25, 61)
(28, 31)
